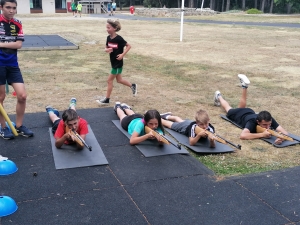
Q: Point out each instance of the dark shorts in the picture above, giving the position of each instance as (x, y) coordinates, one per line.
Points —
(180, 127)
(240, 115)
(74, 10)
(11, 74)
(55, 125)
(114, 9)
(127, 120)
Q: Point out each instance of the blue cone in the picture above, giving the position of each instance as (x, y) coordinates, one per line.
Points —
(7, 167)
(7, 206)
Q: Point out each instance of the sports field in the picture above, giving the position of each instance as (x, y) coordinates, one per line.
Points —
(175, 76)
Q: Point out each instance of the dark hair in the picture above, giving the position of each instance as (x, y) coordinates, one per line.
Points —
(153, 114)
(4, 1)
(264, 115)
(69, 115)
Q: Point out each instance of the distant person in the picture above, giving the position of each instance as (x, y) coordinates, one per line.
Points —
(115, 48)
(74, 9)
(69, 120)
(12, 38)
(114, 6)
(79, 8)
(109, 8)
(247, 118)
(135, 124)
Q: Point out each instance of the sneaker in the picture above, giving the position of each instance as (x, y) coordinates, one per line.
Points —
(73, 102)
(216, 98)
(103, 101)
(6, 133)
(24, 131)
(125, 106)
(117, 105)
(165, 115)
(49, 108)
(244, 80)
(134, 89)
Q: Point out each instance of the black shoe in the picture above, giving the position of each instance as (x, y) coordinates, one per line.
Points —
(103, 101)
(125, 106)
(165, 115)
(134, 89)
(24, 131)
(117, 105)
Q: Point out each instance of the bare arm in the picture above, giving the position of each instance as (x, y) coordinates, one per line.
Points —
(12, 45)
(246, 135)
(135, 138)
(121, 56)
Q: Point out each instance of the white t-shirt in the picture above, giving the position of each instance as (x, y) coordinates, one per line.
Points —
(114, 5)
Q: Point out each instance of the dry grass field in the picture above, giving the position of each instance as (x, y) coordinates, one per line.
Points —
(175, 76)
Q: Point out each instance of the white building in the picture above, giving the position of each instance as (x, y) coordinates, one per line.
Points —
(59, 6)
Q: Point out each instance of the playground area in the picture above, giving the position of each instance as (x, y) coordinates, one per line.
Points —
(175, 76)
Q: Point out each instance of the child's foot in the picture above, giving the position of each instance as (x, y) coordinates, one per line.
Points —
(216, 98)
(6, 133)
(125, 106)
(244, 80)
(134, 89)
(165, 115)
(117, 105)
(49, 109)
(103, 101)
(24, 131)
(73, 102)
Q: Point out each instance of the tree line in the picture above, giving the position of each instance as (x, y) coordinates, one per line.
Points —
(266, 6)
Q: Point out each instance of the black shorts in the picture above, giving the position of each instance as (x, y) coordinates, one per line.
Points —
(55, 125)
(127, 120)
(11, 74)
(240, 115)
(114, 9)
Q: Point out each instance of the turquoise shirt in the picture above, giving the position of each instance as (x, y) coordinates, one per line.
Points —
(138, 126)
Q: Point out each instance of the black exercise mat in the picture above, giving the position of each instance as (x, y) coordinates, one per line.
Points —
(70, 157)
(272, 138)
(152, 148)
(202, 146)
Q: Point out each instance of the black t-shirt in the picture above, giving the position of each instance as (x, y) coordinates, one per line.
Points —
(190, 130)
(246, 118)
(117, 44)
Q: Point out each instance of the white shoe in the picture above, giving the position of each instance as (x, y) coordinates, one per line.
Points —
(216, 98)
(244, 80)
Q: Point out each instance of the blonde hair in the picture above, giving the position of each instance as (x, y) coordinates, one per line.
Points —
(115, 24)
(201, 117)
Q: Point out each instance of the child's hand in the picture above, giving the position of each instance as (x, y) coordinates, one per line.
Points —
(120, 57)
(150, 135)
(108, 50)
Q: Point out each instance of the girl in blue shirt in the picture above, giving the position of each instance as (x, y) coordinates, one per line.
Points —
(135, 123)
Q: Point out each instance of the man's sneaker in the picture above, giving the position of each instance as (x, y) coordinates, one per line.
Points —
(244, 80)
(134, 89)
(125, 106)
(165, 115)
(24, 131)
(6, 133)
(49, 108)
(117, 105)
(216, 98)
(73, 102)
(103, 101)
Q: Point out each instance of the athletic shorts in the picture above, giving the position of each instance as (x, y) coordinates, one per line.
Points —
(11, 74)
(127, 120)
(55, 125)
(116, 71)
(180, 127)
(114, 9)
